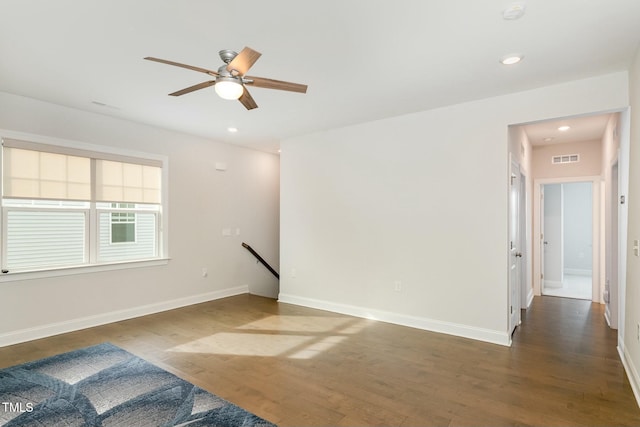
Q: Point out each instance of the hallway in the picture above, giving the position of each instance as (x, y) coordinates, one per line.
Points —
(568, 343)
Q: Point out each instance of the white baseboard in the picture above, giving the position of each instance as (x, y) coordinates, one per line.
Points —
(48, 330)
(552, 284)
(529, 298)
(480, 334)
(630, 369)
(578, 272)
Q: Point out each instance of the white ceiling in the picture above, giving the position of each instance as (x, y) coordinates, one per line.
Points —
(362, 59)
(584, 128)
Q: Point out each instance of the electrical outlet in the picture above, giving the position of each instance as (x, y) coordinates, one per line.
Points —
(397, 286)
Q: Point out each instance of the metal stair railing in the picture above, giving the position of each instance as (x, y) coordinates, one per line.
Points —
(261, 260)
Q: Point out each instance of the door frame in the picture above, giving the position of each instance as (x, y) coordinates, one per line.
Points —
(526, 290)
(596, 224)
(515, 289)
(612, 244)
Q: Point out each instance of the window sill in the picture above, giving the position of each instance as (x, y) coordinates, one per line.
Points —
(69, 271)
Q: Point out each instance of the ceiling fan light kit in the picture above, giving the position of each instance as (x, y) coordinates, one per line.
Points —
(228, 88)
(230, 81)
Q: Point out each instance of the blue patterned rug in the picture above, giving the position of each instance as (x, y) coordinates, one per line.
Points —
(105, 385)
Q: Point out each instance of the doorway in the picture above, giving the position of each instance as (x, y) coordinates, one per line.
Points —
(567, 247)
(573, 263)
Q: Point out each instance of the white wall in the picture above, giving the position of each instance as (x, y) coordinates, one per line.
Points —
(630, 345)
(420, 199)
(610, 143)
(202, 201)
(590, 163)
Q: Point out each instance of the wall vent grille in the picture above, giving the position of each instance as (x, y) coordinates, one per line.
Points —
(565, 158)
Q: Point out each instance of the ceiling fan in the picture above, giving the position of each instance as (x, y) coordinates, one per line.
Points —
(230, 80)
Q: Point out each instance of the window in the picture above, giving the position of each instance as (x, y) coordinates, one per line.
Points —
(67, 207)
(127, 231)
(123, 224)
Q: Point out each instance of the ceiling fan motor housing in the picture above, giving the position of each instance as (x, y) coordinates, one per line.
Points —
(223, 72)
(227, 55)
(229, 81)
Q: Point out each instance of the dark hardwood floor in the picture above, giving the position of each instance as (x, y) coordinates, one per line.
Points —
(296, 366)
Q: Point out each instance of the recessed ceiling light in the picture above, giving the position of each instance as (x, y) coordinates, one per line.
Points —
(514, 11)
(564, 128)
(511, 59)
(232, 129)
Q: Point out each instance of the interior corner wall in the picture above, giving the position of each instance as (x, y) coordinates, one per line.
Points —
(629, 346)
(202, 201)
(405, 219)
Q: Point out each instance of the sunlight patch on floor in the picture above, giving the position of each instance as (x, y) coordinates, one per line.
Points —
(317, 347)
(244, 344)
(296, 337)
(297, 323)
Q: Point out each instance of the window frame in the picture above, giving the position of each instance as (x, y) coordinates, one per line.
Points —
(91, 225)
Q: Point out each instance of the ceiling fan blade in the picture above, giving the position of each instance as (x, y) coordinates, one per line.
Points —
(247, 100)
(177, 64)
(243, 61)
(276, 84)
(193, 88)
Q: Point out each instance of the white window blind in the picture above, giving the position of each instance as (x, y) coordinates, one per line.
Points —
(127, 182)
(40, 171)
(31, 174)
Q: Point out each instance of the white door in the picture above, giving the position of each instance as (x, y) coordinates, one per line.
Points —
(552, 244)
(524, 237)
(515, 253)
